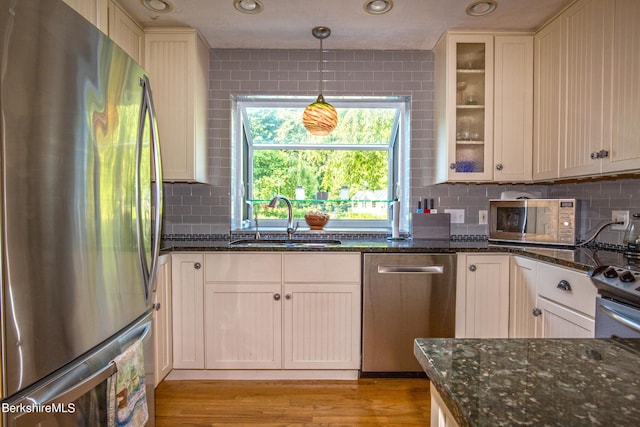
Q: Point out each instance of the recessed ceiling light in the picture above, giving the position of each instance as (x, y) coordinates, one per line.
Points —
(160, 6)
(378, 7)
(481, 8)
(248, 6)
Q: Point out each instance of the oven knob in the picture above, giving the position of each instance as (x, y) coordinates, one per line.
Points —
(610, 273)
(627, 277)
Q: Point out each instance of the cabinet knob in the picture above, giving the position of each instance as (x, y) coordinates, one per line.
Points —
(472, 267)
(499, 166)
(602, 154)
(276, 297)
(536, 312)
(288, 296)
(156, 306)
(564, 285)
(197, 266)
(452, 166)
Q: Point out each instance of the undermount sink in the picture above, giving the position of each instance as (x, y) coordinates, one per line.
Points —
(285, 242)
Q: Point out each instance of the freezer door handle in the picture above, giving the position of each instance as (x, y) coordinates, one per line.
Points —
(68, 395)
(429, 269)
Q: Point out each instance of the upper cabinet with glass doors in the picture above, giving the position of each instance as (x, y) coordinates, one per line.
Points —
(484, 107)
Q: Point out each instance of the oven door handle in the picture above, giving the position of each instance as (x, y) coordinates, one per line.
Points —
(619, 317)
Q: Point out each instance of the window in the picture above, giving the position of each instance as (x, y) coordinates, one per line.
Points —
(351, 174)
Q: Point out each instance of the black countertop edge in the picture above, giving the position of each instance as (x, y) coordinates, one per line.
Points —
(582, 259)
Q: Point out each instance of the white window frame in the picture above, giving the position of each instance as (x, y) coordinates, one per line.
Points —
(398, 156)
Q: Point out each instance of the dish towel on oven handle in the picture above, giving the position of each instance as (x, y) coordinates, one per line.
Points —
(127, 398)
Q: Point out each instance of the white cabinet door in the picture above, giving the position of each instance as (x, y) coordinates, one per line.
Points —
(586, 77)
(547, 101)
(482, 300)
(94, 11)
(177, 60)
(322, 310)
(126, 32)
(557, 321)
(162, 320)
(522, 295)
(513, 108)
(322, 326)
(624, 148)
(243, 326)
(188, 319)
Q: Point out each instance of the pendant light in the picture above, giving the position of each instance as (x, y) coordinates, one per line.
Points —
(320, 117)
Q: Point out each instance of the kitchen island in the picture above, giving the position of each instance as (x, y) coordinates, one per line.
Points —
(505, 382)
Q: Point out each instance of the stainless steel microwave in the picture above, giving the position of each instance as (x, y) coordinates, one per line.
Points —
(542, 221)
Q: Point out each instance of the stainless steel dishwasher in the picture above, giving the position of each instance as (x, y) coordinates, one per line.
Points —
(405, 296)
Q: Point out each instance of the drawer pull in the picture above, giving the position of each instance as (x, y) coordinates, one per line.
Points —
(472, 268)
(537, 312)
(197, 266)
(276, 297)
(564, 285)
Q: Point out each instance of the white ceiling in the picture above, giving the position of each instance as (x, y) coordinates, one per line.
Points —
(287, 24)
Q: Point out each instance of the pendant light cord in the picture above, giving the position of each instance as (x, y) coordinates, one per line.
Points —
(321, 66)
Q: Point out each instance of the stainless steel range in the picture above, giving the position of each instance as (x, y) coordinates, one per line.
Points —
(618, 304)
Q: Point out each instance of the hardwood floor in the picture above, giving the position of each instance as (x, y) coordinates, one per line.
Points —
(366, 402)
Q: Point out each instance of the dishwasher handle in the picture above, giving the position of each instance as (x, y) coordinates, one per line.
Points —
(429, 269)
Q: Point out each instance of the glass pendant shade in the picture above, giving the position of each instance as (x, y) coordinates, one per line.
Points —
(320, 118)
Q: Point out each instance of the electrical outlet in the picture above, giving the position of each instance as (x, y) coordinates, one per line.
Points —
(620, 216)
(483, 217)
(457, 215)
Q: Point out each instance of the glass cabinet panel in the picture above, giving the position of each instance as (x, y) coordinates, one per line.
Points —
(470, 107)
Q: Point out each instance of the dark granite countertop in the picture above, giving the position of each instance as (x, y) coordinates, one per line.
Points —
(580, 258)
(541, 382)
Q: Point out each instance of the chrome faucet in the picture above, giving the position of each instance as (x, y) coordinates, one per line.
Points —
(290, 229)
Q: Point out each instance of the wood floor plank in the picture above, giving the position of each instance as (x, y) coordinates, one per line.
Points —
(365, 402)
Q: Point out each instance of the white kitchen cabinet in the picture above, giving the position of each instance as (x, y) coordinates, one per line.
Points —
(557, 321)
(587, 118)
(513, 109)
(464, 107)
(187, 282)
(484, 107)
(177, 60)
(243, 310)
(322, 311)
(547, 102)
(94, 11)
(586, 69)
(243, 325)
(287, 311)
(482, 296)
(566, 303)
(162, 320)
(624, 140)
(441, 416)
(522, 296)
(126, 32)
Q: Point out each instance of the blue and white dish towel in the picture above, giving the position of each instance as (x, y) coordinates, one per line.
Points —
(127, 398)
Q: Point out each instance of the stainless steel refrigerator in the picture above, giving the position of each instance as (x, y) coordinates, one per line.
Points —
(80, 214)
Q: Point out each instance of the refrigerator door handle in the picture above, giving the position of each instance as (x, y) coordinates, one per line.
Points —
(147, 110)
